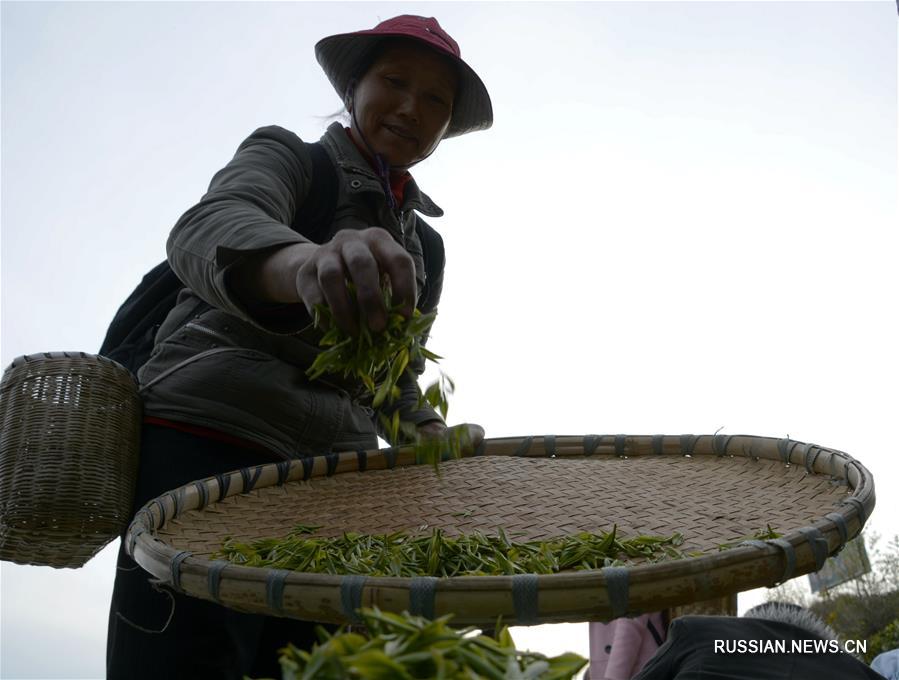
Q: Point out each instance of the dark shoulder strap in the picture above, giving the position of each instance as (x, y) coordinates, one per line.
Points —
(656, 635)
(314, 216)
(129, 337)
(435, 259)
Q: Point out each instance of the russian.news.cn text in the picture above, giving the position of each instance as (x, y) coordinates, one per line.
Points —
(813, 646)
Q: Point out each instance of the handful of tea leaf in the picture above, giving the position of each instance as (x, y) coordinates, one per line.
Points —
(379, 360)
(472, 554)
(410, 647)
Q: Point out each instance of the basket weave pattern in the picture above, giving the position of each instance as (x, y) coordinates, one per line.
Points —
(68, 457)
(712, 489)
(720, 501)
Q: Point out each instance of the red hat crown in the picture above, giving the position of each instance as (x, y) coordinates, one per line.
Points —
(422, 28)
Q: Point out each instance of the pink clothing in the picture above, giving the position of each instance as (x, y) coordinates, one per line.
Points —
(620, 648)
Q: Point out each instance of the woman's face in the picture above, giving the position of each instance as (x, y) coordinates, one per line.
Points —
(404, 101)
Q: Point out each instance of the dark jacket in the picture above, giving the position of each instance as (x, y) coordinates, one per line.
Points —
(257, 387)
(730, 648)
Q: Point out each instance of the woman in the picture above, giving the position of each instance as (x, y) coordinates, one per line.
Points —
(226, 385)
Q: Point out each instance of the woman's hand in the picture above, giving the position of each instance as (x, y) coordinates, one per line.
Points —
(314, 274)
(363, 258)
(435, 428)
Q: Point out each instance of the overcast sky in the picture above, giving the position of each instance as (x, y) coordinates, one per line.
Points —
(684, 219)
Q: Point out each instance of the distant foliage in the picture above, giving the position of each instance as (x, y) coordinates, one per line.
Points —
(884, 641)
(865, 608)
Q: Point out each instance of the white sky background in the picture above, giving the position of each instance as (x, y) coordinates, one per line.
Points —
(684, 219)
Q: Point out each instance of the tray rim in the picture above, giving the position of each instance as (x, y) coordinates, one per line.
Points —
(564, 597)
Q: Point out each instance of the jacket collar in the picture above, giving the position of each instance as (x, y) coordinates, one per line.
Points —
(350, 159)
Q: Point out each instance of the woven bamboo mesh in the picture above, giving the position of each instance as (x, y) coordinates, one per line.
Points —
(711, 489)
(68, 457)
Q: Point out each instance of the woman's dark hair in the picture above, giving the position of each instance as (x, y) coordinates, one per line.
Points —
(365, 63)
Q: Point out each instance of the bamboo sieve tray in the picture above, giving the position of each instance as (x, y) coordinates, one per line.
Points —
(713, 489)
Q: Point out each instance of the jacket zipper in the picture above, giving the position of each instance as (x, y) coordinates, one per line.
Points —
(209, 332)
(398, 214)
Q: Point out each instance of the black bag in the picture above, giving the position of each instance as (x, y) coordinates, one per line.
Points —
(130, 337)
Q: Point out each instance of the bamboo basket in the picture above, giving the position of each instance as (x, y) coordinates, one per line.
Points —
(711, 488)
(68, 457)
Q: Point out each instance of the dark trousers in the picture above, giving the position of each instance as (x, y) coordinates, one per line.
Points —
(202, 639)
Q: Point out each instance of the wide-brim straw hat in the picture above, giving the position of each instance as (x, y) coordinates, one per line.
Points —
(342, 55)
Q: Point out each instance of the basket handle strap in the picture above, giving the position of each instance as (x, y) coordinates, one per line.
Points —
(351, 590)
(862, 513)
(215, 578)
(274, 589)
(617, 587)
(786, 547)
(422, 591)
(840, 521)
(524, 599)
(818, 544)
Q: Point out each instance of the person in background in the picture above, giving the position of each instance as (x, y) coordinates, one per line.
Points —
(695, 648)
(887, 664)
(620, 648)
(228, 369)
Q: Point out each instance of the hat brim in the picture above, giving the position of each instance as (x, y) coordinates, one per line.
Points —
(341, 55)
